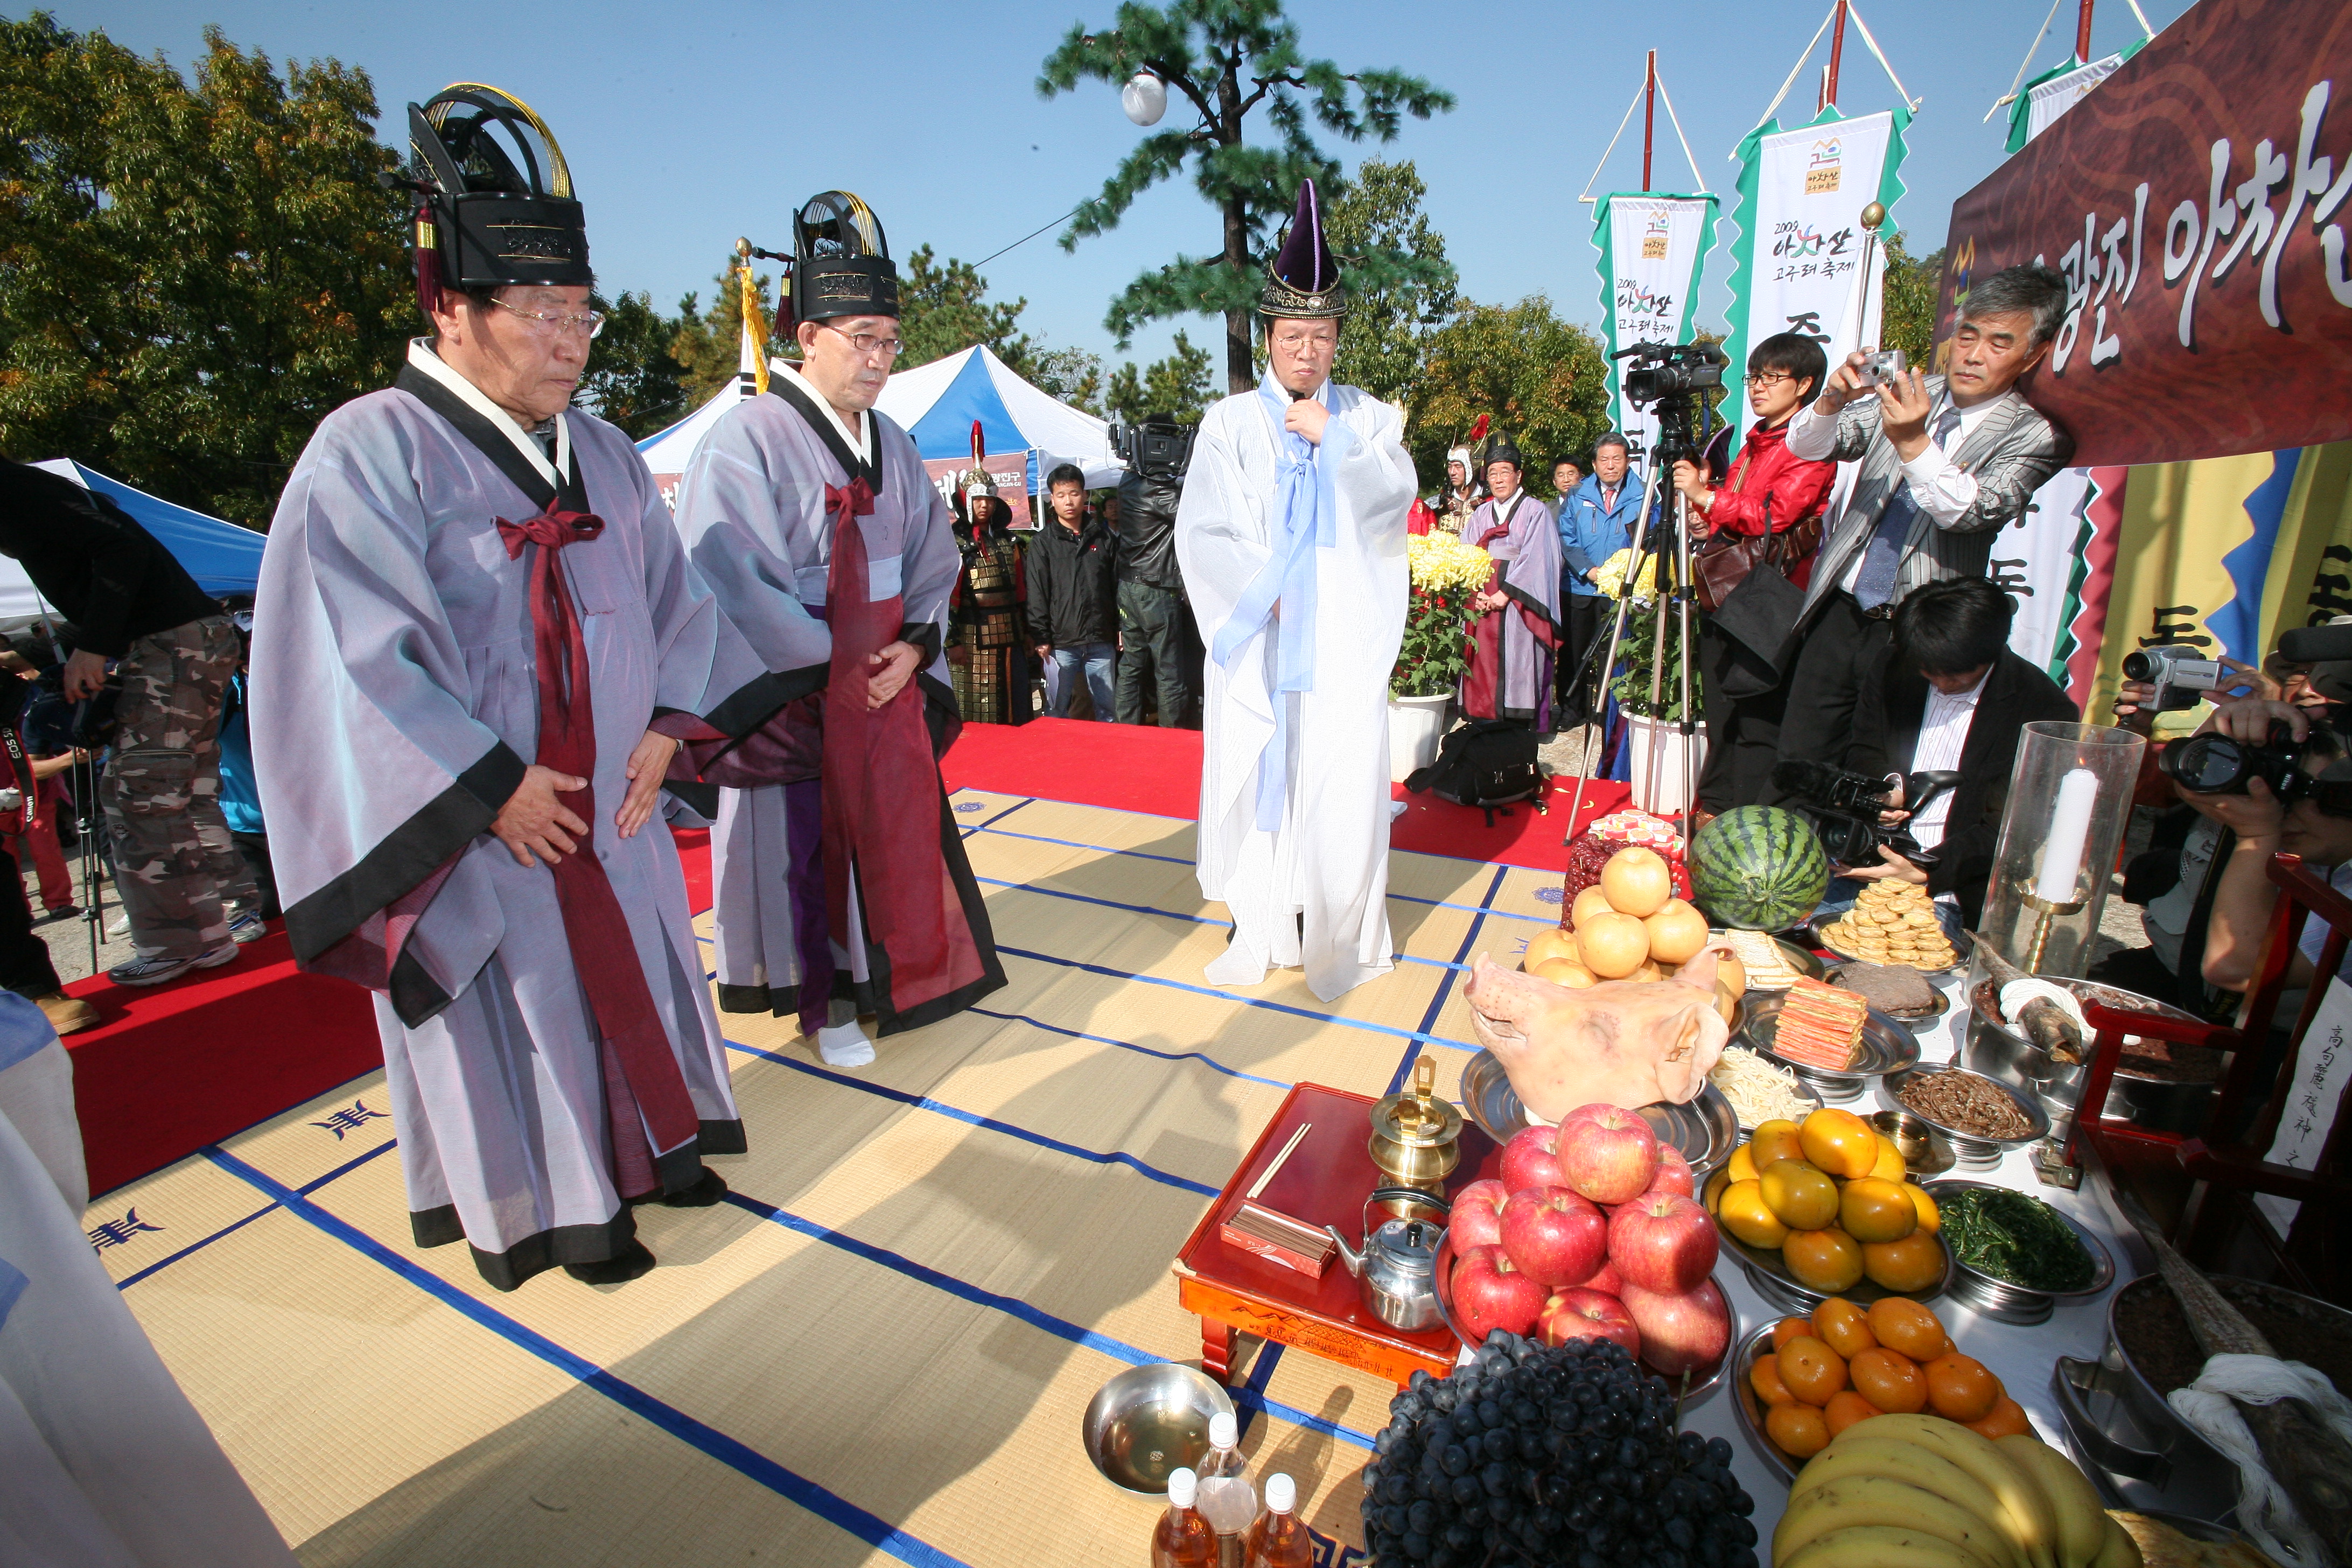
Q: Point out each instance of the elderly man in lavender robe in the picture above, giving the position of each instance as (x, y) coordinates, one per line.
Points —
(1515, 631)
(842, 883)
(476, 643)
(1291, 534)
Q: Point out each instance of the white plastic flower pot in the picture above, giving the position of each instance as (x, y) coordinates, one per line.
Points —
(1415, 726)
(1660, 785)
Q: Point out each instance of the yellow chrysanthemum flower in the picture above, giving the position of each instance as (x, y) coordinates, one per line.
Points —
(1611, 578)
(1445, 562)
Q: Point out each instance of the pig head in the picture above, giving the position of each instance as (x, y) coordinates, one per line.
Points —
(1620, 1042)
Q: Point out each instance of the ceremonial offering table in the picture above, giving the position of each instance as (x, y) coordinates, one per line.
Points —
(1324, 1182)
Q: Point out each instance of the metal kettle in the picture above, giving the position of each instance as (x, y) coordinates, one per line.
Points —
(1397, 1270)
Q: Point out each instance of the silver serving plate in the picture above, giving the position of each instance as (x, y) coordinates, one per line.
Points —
(1744, 1355)
(1768, 1272)
(1962, 943)
(1704, 1133)
(1149, 1421)
(1937, 1008)
(1806, 1091)
(1887, 1046)
(1992, 1297)
(1973, 1151)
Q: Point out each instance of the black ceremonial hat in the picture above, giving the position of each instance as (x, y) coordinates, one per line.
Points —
(492, 209)
(1302, 283)
(1501, 449)
(841, 261)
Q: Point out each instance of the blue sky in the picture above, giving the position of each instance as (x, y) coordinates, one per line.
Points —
(690, 123)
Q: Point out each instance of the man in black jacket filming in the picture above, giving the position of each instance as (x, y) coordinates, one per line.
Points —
(189, 895)
(1153, 621)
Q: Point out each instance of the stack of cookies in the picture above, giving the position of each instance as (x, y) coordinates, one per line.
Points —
(1767, 966)
(1892, 922)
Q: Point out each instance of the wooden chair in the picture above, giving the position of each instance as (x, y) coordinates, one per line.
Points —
(2227, 1176)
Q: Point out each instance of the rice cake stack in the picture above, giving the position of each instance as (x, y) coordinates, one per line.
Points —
(1893, 921)
(1767, 966)
(1819, 1026)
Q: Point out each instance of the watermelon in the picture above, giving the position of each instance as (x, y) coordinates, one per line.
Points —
(1758, 867)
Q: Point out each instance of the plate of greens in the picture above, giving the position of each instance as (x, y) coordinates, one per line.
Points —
(2014, 1257)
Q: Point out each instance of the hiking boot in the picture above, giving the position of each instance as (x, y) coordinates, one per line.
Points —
(154, 968)
(67, 1014)
(247, 926)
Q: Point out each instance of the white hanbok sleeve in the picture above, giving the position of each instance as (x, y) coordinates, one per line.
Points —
(1375, 478)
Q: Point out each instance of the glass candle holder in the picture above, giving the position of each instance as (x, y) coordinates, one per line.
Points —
(2069, 805)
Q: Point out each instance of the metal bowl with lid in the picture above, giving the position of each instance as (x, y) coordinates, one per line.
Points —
(1704, 1131)
(1416, 1137)
(1887, 1046)
(1973, 1151)
(2004, 1300)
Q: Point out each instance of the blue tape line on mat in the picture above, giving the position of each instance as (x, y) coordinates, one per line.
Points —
(1210, 1062)
(973, 1119)
(1437, 1003)
(1167, 914)
(735, 1454)
(982, 827)
(346, 1168)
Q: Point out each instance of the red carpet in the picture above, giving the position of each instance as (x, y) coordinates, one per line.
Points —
(177, 1066)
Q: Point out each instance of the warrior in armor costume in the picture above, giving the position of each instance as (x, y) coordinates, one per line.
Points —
(988, 645)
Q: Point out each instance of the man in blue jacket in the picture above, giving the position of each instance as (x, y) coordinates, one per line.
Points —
(1595, 522)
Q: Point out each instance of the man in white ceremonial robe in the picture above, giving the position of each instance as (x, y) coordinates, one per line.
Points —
(1291, 534)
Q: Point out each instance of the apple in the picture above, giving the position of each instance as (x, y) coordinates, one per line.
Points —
(1665, 1244)
(1576, 1313)
(1490, 1293)
(1607, 1280)
(1674, 1173)
(1584, 1113)
(1554, 1236)
(1680, 1332)
(1476, 1219)
(1609, 1156)
(1530, 1158)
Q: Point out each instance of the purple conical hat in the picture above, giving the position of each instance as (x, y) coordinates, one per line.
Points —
(1303, 279)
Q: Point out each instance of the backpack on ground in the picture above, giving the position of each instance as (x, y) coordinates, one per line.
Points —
(1483, 763)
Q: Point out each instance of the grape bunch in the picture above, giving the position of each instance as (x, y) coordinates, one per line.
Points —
(1550, 1456)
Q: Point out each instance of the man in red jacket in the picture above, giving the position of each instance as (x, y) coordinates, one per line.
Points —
(1768, 490)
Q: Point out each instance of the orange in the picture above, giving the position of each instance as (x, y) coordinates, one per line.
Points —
(1797, 1430)
(1803, 1197)
(1746, 1216)
(1612, 945)
(1637, 882)
(1812, 1371)
(1890, 1166)
(1931, 1219)
(1846, 1408)
(1764, 1377)
(1774, 1139)
(1960, 1387)
(1742, 1164)
(2006, 1419)
(1824, 1259)
(1843, 1327)
(1546, 945)
(1890, 1381)
(1712, 1194)
(1913, 1263)
(1908, 1328)
(1591, 902)
(1677, 931)
(1788, 1329)
(1871, 1209)
(1839, 1142)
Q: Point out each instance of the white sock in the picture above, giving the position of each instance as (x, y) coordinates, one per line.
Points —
(1396, 808)
(844, 1045)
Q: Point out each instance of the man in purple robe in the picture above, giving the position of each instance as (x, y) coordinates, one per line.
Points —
(477, 643)
(1515, 626)
(841, 879)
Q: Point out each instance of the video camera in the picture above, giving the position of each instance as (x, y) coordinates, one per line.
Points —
(2181, 679)
(1844, 808)
(1158, 448)
(1676, 377)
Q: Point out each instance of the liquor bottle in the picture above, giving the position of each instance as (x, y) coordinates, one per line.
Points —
(1182, 1538)
(1228, 1501)
(1279, 1538)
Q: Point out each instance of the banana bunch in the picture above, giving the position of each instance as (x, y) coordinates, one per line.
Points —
(1917, 1492)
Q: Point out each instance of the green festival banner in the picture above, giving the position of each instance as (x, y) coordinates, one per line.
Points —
(1653, 250)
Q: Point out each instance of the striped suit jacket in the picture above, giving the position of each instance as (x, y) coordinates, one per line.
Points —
(2012, 449)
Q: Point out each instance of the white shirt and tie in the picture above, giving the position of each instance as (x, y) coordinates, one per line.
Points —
(1938, 486)
(1943, 736)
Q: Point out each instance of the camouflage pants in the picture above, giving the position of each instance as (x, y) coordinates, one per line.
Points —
(179, 872)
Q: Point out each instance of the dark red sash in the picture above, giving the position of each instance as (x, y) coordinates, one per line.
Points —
(645, 1091)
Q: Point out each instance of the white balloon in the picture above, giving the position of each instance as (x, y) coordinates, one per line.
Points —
(1145, 98)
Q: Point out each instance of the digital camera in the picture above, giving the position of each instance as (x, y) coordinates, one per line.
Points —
(1882, 369)
(2180, 678)
(1844, 808)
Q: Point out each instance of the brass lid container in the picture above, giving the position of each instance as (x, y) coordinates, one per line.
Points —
(1417, 1137)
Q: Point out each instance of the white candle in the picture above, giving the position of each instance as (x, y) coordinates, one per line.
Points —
(2070, 830)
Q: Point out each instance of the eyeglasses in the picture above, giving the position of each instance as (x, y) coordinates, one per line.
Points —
(1299, 342)
(1770, 378)
(866, 343)
(554, 323)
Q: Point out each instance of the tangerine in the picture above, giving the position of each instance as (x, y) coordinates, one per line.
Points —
(1846, 1408)
(1546, 945)
(1908, 1328)
(1764, 1377)
(1747, 1216)
(1913, 1263)
(1872, 1209)
(1799, 1431)
(1774, 1139)
(1637, 881)
(1591, 902)
(1810, 1370)
(1931, 1219)
(1959, 1388)
(1890, 1166)
(2006, 1419)
(1823, 1261)
(1890, 1381)
(1712, 1194)
(1839, 1141)
(1788, 1329)
(1803, 1197)
(1564, 971)
(1612, 945)
(1843, 1327)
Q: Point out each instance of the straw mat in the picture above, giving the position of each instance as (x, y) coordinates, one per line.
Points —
(879, 1348)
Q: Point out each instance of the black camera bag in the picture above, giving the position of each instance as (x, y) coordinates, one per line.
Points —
(1483, 763)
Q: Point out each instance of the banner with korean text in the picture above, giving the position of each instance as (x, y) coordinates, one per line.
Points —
(1652, 249)
(2196, 202)
(1794, 264)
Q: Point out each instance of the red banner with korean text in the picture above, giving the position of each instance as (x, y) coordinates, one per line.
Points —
(2196, 201)
(1009, 470)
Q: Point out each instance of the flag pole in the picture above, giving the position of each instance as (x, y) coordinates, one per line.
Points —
(1650, 112)
(2082, 34)
(1837, 51)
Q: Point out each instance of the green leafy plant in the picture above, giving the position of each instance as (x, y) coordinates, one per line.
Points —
(1434, 654)
(1639, 653)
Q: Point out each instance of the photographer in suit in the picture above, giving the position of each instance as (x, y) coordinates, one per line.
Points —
(1946, 462)
(1952, 697)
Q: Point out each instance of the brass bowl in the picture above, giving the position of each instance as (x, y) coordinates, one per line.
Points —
(1926, 1151)
(1150, 1421)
